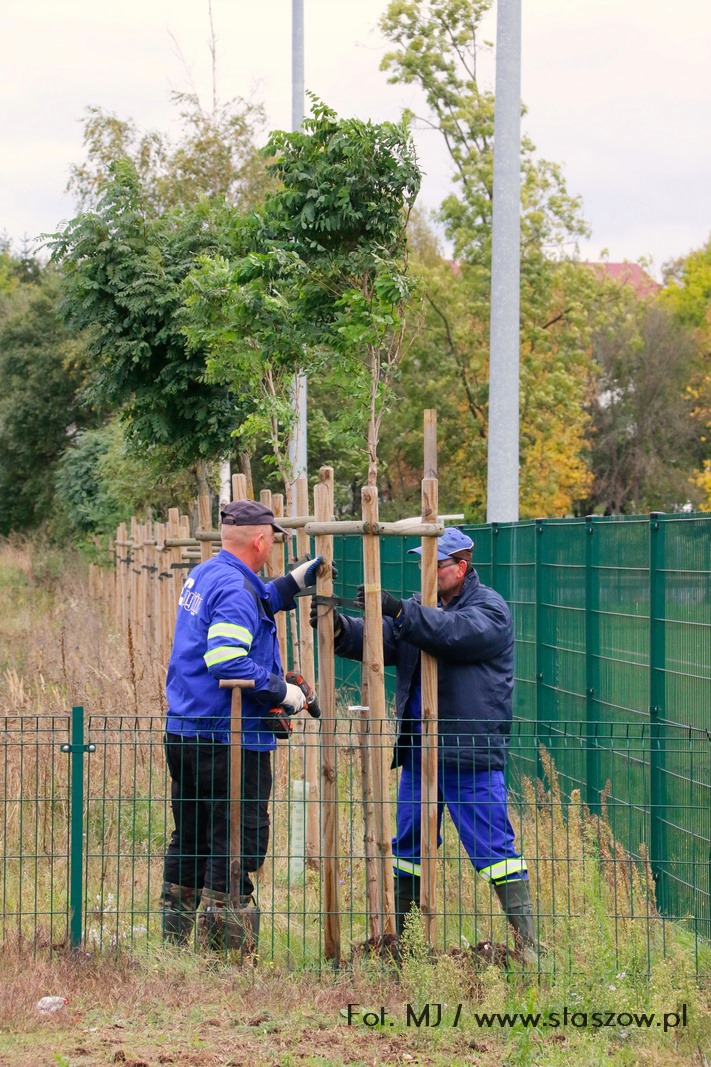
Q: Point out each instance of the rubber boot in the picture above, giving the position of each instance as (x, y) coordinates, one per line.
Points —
(179, 905)
(515, 898)
(407, 893)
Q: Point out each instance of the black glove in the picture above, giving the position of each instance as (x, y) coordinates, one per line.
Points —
(313, 619)
(391, 606)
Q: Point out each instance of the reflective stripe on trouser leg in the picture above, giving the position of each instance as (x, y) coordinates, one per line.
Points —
(477, 802)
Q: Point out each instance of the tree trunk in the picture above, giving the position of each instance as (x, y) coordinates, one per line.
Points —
(245, 465)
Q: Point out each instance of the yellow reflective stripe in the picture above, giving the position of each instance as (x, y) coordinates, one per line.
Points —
(230, 629)
(503, 869)
(406, 866)
(224, 652)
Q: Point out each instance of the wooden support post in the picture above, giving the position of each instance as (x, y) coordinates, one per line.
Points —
(133, 581)
(119, 552)
(372, 886)
(205, 524)
(159, 561)
(279, 569)
(377, 736)
(240, 488)
(307, 667)
(171, 585)
(428, 672)
(236, 685)
(323, 507)
(147, 572)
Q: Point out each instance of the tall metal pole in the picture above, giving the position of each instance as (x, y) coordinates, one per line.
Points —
(297, 446)
(502, 489)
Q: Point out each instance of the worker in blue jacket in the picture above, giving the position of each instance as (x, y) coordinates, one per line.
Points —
(470, 633)
(224, 628)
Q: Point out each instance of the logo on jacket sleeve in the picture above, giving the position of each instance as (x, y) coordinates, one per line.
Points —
(190, 600)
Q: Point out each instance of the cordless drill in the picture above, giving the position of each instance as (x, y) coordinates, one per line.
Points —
(281, 721)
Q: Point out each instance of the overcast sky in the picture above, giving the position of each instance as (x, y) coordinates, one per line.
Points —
(618, 92)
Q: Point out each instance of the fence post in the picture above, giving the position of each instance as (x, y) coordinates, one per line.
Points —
(593, 784)
(323, 510)
(540, 679)
(76, 750)
(657, 658)
(494, 551)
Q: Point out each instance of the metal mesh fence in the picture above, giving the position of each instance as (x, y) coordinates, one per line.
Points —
(86, 832)
(609, 772)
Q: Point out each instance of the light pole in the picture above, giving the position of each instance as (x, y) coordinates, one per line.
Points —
(503, 458)
(297, 444)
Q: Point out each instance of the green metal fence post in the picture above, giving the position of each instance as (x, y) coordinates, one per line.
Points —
(494, 554)
(657, 710)
(593, 785)
(540, 678)
(76, 751)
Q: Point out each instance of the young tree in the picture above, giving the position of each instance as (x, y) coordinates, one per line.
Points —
(318, 280)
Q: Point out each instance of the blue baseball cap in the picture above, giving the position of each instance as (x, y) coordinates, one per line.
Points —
(449, 543)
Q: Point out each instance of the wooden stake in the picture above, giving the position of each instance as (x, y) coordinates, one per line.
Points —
(306, 664)
(205, 523)
(372, 886)
(236, 685)
(278, 570)
(428, 671)
(158, 583)
(377, 736)
(240, 488)
(323, 507)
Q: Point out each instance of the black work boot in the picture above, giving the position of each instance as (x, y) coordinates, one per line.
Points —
(212, 921)
(515, 898)
(179, 905)
(407, 893)
(226, 927)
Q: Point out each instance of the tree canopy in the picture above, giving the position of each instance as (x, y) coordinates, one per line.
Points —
(317, 280)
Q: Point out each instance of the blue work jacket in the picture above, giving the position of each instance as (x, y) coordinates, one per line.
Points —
(225, 629)
(473, 641)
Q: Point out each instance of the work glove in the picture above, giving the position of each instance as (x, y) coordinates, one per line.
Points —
(294, 698)
(313, 619)
(391, 606)
(305, 574)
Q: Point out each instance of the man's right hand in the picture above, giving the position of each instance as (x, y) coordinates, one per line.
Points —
(313, 619)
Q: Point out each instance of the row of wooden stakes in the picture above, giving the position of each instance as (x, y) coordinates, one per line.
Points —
(151, 561)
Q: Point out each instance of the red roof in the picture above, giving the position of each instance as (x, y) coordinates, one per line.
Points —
(630, 274)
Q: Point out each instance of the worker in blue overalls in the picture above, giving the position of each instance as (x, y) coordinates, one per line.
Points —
(470, 633)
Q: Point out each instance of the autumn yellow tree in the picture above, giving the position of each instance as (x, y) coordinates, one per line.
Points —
(688, 295)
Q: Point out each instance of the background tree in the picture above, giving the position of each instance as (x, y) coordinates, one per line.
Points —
(436, 46)
(123, 268)
(41, 405)
(154, 204)
(645, 435)
(688, 297)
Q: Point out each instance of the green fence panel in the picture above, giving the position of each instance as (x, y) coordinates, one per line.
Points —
(612, 622)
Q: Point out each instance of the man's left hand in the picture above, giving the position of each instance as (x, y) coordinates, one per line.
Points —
(391, 606)
(305, 574)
